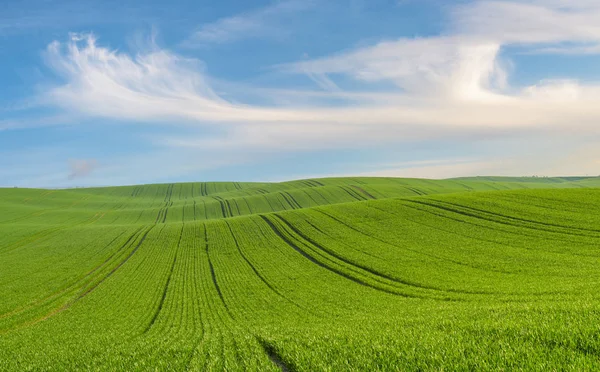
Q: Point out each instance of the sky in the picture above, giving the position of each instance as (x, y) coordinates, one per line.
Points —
(98, 93)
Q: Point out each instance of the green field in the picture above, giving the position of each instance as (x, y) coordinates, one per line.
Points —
(325, 274)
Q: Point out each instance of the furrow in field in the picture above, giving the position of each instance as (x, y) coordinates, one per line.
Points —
(363, 191)
(503, 217)
(479, 266)
(288, 201)
(353, 191)
(516, 223)
(351, 194)
(166, 286)
(158, 217)
(416, 191)
(442, 230)
(315, 203)
(166, 211)
(213, 275)
(223, 209)
(257, 273)
(275, 356)
(70, 287)
(354, 264)
(404, 217)
(141, 241)
(282, 235)
(67, 305)
(497, 228)
(229, 209)
(295, 204)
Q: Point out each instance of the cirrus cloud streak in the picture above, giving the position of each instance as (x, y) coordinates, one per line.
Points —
(452, 87)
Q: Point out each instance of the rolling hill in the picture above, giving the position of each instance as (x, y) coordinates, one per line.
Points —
(320, 274)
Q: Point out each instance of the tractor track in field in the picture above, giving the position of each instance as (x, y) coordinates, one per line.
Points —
(307, 184)
(298, 206)
(237, 206)
(158, 217)
(352, 195)
(213, 275)
(166, 287)
(327, 267)
(347, 245)
(228, 205)
(310, 197)
(517, 232)
(192, 353)
(363, 191)
(118, 266)
(288, 202)
(268, 202)
(370, 270)
(539, 225)
(513, 218)
(223, 209)
(82, 295)
(353, 191)
(162, 213)
(275, 356)
(416, 191)
(400, 281)
(248, 204)
(257, 273)
(204, 208)
(440, 258)
(71, 287)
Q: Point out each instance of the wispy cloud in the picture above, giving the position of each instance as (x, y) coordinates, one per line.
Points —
(448, 66)
(452, 87)
(448, 87)
(532, 22)
(36, 122)
(151, 86)
(32, 16)
(267, 21)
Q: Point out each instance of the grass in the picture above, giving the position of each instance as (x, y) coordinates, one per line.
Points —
(328, 274)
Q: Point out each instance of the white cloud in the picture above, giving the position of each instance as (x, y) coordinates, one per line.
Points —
(531, 22)
(451, 87)
(569, 49)
(266, 21)
(449, 66)
(35, 122)
(152, 86)
(227, 30)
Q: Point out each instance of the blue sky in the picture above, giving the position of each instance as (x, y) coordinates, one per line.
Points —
(125, 92)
